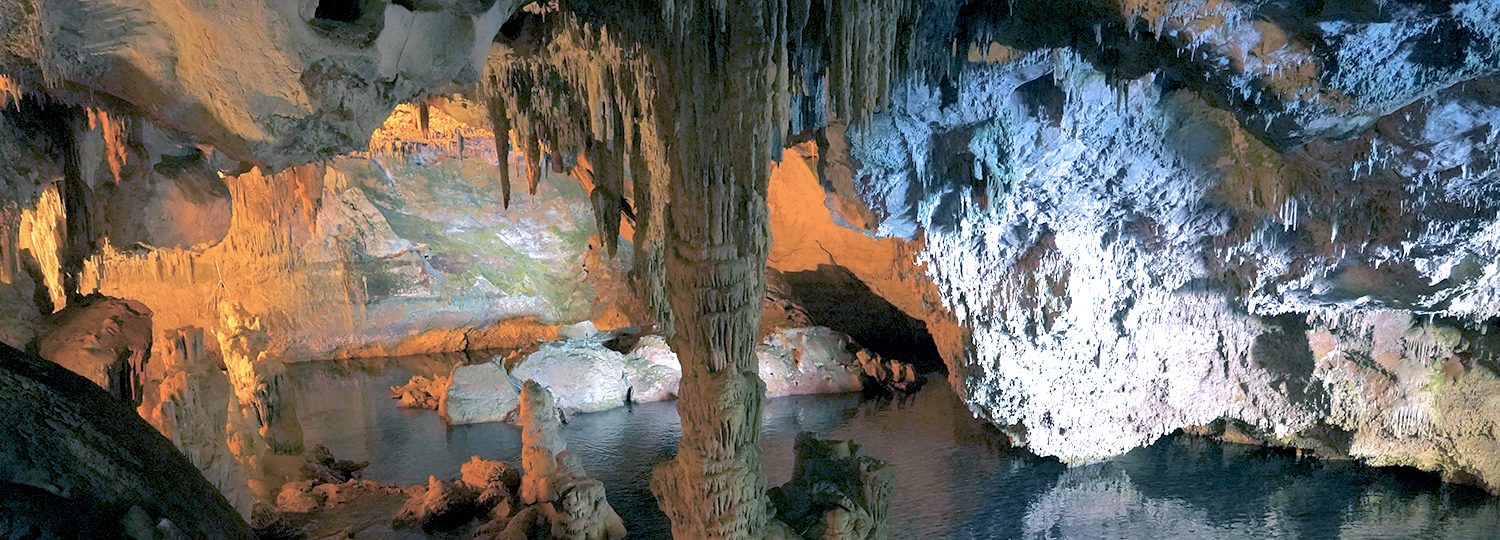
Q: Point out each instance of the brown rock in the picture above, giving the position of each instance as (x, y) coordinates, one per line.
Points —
(421, 392)
(106, 340)
(296, 500)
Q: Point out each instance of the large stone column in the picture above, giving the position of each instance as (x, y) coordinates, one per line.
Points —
(728, 80)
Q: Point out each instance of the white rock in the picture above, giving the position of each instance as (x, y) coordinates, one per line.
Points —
(583, 330)
(811, 360)
(479, 393)
(582, 375)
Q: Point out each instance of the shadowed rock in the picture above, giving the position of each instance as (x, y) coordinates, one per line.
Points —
(70, 444)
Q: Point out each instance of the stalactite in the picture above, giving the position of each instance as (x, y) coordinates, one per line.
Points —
(10, 258)
(424, 116)
(500, 123)
(114, 132)
(697, 116)
(10, 92)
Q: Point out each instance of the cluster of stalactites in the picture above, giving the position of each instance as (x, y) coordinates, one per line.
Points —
(582, 92)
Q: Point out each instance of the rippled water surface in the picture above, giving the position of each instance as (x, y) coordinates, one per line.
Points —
(954, 478)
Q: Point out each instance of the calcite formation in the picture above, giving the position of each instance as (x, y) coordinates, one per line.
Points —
(1117, 219)
(195, 409)
(540, 443)
(258, 378)
(1193, 211)
(479, 393)
(837, 492)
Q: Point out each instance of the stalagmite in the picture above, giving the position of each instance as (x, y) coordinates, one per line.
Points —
(258, 378)
(540, 443)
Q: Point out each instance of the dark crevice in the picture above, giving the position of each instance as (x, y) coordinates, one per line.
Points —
(834, 297)
(338, 10)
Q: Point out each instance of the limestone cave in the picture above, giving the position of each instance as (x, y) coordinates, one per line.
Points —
(749, 269)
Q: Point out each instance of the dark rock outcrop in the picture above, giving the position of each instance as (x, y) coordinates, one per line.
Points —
(67, 444)
(837, 492)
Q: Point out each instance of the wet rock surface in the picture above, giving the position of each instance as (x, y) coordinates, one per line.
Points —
(421, 392)
(836, 492)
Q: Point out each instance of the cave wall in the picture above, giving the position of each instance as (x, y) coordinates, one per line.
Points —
(271, 82)
(1141, 242)
(402, 249)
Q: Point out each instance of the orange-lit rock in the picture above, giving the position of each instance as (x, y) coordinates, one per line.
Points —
(107, 340)
(404, 249)
(805, 237)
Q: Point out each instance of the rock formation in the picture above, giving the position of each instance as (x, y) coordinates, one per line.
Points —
(836, 492)
(421, 392)
(540, 443)
(107, 340)
(195, 409)
(68, 444)
(257, 378)
(1167, 219)
(479, 393)
(1116, 219)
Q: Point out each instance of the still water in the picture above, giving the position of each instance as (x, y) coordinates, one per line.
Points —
(954, 477)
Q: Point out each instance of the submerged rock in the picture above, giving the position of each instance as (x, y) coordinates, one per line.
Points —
(323, 468)
(479, 393)
(421, 392)
(836, 492)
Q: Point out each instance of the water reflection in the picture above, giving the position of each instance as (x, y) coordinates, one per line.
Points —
(954, 477)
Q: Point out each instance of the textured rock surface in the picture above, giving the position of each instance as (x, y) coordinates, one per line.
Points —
(67, 442)
(406, 248)
(812, 360)
(1153, 223)
(258, 379)
(421, 392)
(195, 408)
(582, 376)
(836, 492)
(479, 393)
(107, 340)
(540, 443)
(285, 86)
